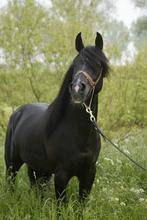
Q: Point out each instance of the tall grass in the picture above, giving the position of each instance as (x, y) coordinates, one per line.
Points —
(119, 191)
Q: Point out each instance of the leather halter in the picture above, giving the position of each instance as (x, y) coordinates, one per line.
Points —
(88, 77)
(92, 83)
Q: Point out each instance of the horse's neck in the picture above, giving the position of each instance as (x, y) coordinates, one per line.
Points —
(77, 113)
(64, 108)
(55, 113)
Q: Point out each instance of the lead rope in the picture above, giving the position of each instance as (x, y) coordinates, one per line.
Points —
(108, 140)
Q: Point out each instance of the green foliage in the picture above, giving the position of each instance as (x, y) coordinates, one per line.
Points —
(116, 30)
(123, 98)
(38, 49)
(21, 33)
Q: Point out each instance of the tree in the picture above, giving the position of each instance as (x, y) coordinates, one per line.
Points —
(35, 40)
(139, 31)
(21, 37)
(141, 4)
(47, 36)
(117, 40)
(21, 33)
(88, 17)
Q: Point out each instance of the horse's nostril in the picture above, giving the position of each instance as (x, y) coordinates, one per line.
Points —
(71, 85)
(82, 86)
(79, 87)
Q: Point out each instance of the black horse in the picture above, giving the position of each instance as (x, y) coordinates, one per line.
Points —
(59, 138)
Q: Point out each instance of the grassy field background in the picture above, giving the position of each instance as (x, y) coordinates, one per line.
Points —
(119, 191)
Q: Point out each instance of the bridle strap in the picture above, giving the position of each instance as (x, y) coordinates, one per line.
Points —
(90, 80)
(92, 83)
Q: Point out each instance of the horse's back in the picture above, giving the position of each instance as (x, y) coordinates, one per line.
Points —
(33, 108)
(30, 110)
(29, 117)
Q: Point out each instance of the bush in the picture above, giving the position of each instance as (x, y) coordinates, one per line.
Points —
(123, 98)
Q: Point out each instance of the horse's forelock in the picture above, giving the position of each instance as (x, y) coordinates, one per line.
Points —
(93, 57)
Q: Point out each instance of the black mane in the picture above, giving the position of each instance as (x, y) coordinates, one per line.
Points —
(58, 106)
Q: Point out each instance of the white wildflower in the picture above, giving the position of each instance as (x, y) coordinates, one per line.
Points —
(123, 204)
(104, 189)
(126, 151)
(141, 190)
(97, 162)
(118, 183)
(114, 199)
(137, 190)
(97, 181)
(122, 187)
(127, 140)
(118, 161)
(110, 160)
(141, 199)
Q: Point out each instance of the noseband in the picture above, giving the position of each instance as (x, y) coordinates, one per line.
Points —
(89, 78)
(92, 84)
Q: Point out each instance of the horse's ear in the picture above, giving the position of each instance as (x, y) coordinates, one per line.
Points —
(78, 42)
(99, 41)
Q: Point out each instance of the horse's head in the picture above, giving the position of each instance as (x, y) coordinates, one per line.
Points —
(89, 68)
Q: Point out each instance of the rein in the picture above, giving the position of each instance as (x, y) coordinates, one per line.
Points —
(93, 120)
(107, 139)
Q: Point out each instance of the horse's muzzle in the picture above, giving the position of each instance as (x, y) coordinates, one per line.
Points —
(77, 91)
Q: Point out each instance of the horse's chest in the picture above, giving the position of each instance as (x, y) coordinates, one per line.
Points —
(72, 148)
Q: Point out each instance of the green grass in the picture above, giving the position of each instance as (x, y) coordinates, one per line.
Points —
(119, 191)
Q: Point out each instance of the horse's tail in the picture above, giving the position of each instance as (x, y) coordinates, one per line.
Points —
(9, 141)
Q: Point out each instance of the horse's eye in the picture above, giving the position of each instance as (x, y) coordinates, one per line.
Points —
(83, 86)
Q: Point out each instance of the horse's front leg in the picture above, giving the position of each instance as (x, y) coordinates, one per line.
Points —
(86, 179)
(61, 180)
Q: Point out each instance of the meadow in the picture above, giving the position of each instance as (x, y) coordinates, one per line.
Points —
(120, 188)
(119, 191)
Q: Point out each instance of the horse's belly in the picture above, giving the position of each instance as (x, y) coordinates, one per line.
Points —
(32, 152)
(38, 162)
